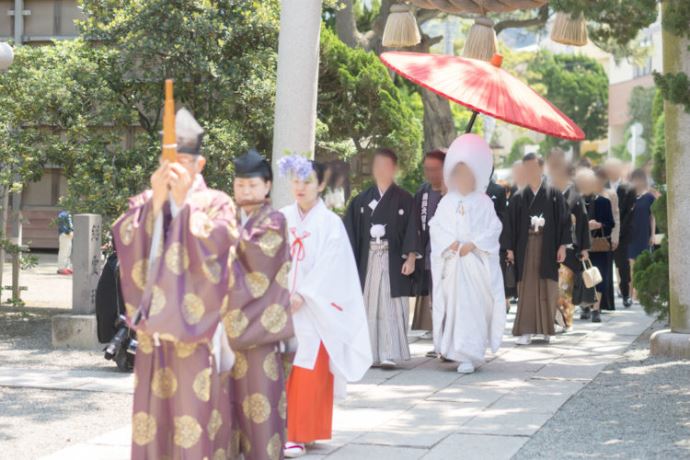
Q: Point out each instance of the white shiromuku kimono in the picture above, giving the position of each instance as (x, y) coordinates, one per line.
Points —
(324, 273)
(468, 294)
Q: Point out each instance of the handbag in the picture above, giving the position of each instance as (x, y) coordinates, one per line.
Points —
(510, 278)
(582, 295)
(591, 276)
(601, 243)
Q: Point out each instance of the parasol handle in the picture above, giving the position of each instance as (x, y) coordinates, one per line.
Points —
(468, 129)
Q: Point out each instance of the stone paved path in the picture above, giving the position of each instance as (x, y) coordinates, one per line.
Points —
(424, 410)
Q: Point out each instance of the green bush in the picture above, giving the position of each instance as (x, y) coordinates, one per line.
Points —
(650, 278)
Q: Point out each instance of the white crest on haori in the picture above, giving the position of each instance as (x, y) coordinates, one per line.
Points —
(537, 222)
(401, 211)
(377, 231)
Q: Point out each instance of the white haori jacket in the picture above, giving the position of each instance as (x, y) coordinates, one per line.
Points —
(324, 273)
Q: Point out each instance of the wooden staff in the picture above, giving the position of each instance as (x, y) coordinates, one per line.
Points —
(169, 140)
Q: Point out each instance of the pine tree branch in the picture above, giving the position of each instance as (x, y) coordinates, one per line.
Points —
(539, 20)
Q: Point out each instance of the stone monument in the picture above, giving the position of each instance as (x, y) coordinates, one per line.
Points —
(78, 329)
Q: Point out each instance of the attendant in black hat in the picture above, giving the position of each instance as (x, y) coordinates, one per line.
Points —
(258, 318)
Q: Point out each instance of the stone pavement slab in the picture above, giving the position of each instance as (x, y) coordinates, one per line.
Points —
(476, 447)
(425, 409)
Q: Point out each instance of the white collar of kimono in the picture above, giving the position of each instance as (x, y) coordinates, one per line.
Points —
(473, 151)
(303, 216)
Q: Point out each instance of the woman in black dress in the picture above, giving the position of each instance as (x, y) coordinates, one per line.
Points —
(644, 224)
(601, 223)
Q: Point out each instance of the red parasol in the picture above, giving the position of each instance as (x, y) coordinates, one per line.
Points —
(484, 87)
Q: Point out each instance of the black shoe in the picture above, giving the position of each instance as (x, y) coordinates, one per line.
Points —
(585, 313)
(596, 316)
(627, 302)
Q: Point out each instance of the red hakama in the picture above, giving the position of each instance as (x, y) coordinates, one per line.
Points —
(310, 401)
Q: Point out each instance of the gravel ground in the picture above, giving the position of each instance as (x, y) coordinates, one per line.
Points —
(638, 408)
(37, 422)
(25, 341)
(34, 423)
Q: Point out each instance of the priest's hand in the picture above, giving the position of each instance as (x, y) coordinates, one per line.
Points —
(454, 247)
(466, 248)
(159, 186)
(560, 257)
(296, 302)
(408, 266)
(510, 256)
(180, 183)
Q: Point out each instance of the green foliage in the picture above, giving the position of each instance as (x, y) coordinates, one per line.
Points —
(612, 20)
(675, 88)
(577, 85)
(651, 280)
(660, 211)
(517, 150)
(659, 151)
(358, 101)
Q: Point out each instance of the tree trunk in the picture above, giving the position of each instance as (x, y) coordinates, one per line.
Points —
(676, 57)
(439, 127)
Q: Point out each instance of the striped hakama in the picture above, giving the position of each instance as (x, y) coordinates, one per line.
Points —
(387, 316)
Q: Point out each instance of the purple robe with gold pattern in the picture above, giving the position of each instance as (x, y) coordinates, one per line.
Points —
(179, 397)
(257, 321)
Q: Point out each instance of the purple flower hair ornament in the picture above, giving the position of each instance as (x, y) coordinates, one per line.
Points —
(295, 166)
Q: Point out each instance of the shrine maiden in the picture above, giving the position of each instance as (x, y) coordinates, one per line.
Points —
(328, 309)
(469, 299)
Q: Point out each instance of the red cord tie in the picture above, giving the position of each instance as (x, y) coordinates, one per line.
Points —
(297, 253)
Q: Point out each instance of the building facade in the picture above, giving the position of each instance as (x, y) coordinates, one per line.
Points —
(40, 22)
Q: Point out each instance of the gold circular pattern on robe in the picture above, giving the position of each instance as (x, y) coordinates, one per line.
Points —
(176, 258)
(193, 308)
(256, 408)
(239, 443)
(164, 383)
(214, 424)
(274, 447)
(257, 283)
(233, 232)
(231, 276)
(157, 301)
(202, 385)
(187, 431)
(219, 454)
(185, 349)
(211, 269)
(200, 224)
(139, 272)
(283, 275)
(274, 318)
(270, 243)
(224, 305)
(148, 223)
(271, 366)
(239, 370)
(235, 323)
(143, 428)
(282, 405)
(130, 309)
(144, 343)
(127, 230)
